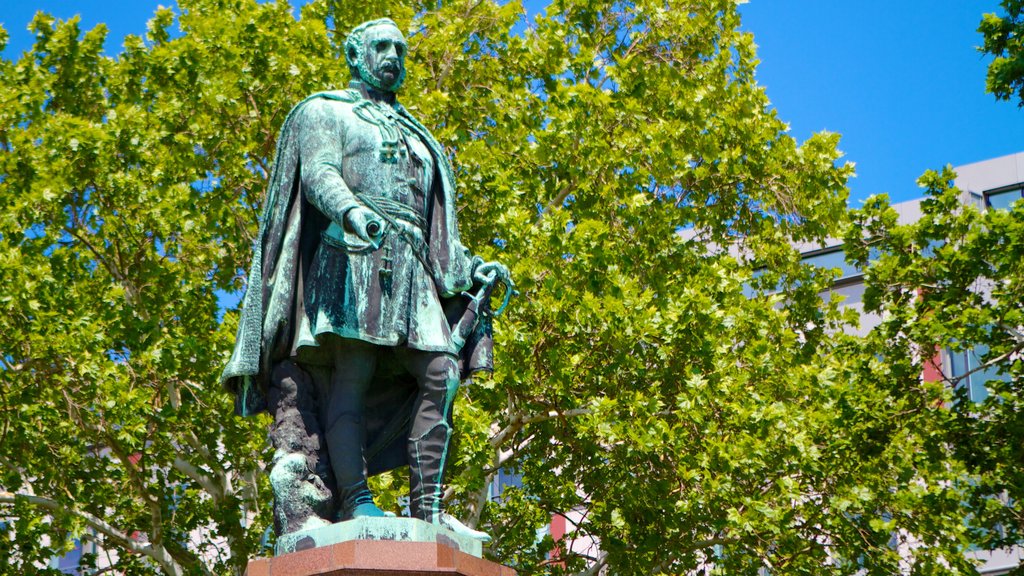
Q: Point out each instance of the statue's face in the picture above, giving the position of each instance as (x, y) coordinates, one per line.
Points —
(383, 61)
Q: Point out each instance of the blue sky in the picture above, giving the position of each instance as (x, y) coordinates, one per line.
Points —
(900, 80)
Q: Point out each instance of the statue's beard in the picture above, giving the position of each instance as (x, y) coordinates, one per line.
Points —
(373, 77)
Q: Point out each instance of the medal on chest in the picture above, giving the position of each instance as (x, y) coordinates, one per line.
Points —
(386, 121)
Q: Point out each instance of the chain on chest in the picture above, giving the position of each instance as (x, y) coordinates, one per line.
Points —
(393, 133)
(405, 159)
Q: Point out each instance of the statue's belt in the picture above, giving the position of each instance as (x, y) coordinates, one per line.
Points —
(391, 212)
(387, 207)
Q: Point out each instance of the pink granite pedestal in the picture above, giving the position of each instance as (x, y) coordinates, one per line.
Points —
(377, 558)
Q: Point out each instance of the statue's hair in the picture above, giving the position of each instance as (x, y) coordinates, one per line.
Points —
(354, 42)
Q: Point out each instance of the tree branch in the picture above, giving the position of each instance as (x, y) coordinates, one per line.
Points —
(481, 496)
(953, 381)
(187, 558)
(596, 567)
(222, 475)
(505, 455)
(518, 421)
(134, 474)
(158, 553)
(558, 200)
(216, 491)
(195, 444)
(130, 291)
(1015, 333)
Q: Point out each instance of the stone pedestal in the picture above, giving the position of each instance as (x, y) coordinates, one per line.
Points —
(377, 558)
(400, 529)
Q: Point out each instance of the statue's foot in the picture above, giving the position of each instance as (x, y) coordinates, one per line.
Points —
(357, 502)
(367, 510)
(446, 520)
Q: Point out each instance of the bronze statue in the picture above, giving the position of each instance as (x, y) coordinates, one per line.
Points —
(364, 310)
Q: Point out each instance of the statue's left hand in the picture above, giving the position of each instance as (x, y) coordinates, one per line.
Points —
(491, 272)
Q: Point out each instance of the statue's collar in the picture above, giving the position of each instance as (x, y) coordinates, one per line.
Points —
(370, 93)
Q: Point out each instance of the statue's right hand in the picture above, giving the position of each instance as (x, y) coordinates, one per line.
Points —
(364, 223)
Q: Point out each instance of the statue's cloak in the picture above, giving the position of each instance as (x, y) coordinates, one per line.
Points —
(289, 234)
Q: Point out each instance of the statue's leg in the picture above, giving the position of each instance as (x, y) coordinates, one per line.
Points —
(302, 500)
(354, 366)
(438, 377)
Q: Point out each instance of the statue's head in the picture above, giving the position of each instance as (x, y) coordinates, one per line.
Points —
(375, 52)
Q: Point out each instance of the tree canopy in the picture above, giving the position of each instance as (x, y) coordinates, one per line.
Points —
(670, 373)
(953, 280)
(1004, 40)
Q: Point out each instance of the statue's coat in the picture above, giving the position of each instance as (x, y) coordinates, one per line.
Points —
(291, 231)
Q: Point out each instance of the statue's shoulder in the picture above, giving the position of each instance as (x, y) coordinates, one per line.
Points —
(330, 102)
(335, 98)
(347, 96)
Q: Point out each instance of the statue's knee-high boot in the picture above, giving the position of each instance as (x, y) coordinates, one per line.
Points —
(427, 455)
(346, 432)
(349, 466)
(428, 452)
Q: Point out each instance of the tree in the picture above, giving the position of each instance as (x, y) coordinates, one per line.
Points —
(953, 280)
(619, 155)
(1004, 39)
(125, 211)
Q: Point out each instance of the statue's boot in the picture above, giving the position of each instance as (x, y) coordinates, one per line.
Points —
(427, 455)
(345, 446)
(357, 502)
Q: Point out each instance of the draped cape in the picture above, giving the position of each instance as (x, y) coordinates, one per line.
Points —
(289, 234)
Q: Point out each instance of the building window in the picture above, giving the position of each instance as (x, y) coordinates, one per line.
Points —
(69, 562)
(504, 479)
(1002, 200)
(968, 363)
(852, 292)
(832, 258)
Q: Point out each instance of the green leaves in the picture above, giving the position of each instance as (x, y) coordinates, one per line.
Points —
(950, 281)
(1003, 40)
(621, 159)
(123, 198)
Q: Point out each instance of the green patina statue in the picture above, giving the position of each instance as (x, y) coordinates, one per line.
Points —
(364, 310)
